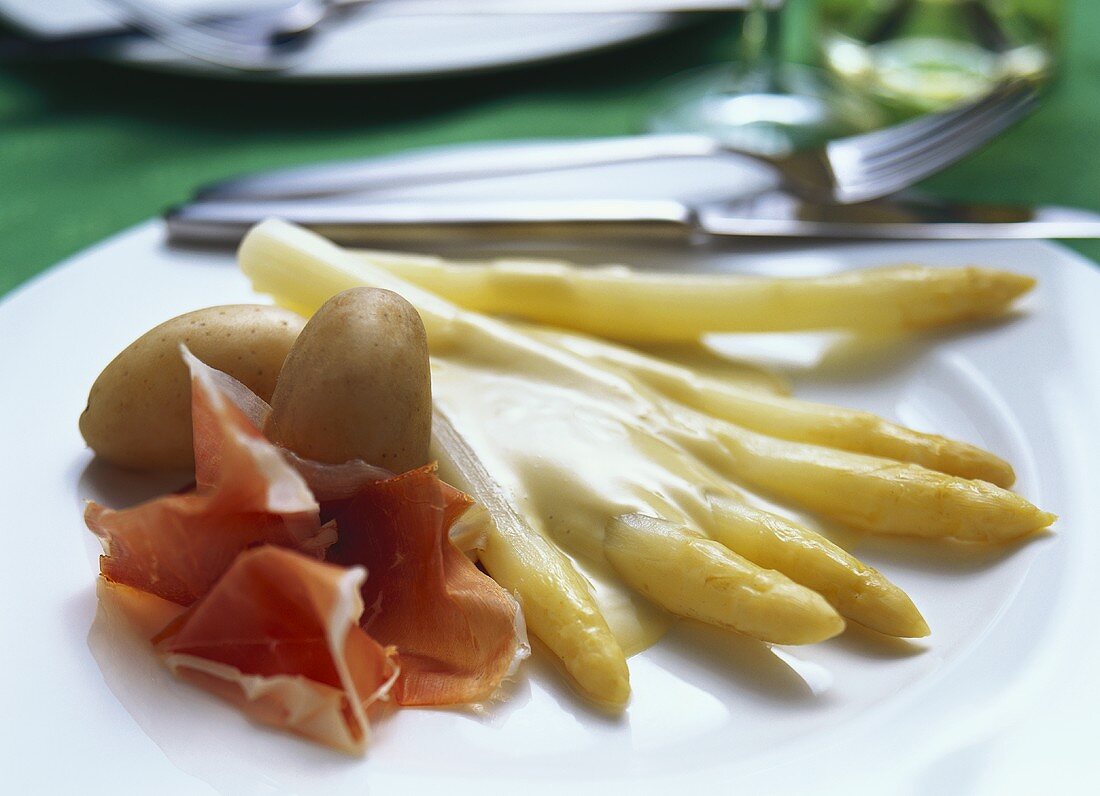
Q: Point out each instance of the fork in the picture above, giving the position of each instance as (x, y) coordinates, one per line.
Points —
(873, 165)
(262, 40)
(845, 171)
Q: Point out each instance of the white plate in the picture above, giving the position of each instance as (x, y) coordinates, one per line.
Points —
(1001, 699)
(369, 47)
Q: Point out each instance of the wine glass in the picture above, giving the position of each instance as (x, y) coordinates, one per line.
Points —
(761, 103)
(920, 56)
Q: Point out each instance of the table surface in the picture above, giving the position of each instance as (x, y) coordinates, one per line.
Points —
(88, 149)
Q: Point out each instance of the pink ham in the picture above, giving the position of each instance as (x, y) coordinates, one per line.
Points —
(458, 634)
(276, 631)
(278, 636)
(177, 546)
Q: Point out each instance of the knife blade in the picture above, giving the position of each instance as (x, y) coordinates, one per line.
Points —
(453, 163)
(768, 215)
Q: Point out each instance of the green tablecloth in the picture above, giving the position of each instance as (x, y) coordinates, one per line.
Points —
(87, 149)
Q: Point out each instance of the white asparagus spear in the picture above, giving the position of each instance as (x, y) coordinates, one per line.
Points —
(690, 575)
(879, 495)
(790, 418)
(857, 591)
(645, 306)
(558, 604)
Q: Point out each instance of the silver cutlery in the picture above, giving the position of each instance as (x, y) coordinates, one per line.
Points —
(775, 215)
(854, 169)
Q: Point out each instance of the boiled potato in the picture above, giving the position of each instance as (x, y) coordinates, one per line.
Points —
(356, 384)
(139, 409)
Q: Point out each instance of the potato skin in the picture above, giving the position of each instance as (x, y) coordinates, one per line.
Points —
(139, 409)
(357, 384)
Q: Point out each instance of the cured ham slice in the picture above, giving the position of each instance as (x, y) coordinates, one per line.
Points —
(141, 613)
(273, 629)
(458, 634)
(327, 482)
(247, 494)
(278, 635)
(333, 485)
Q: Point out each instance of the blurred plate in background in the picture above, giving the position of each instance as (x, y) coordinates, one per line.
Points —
(367, 47)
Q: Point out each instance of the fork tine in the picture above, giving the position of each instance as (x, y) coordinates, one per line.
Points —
(216, 45)
(969, 135)
(863, 178)
(890, 138)
(166, 24)
(966, 128)
(935, 159)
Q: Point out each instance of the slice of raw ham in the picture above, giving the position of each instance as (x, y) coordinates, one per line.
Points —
(177, 546)
(142, 614)
(458, 634)
(327, 482)
(278, 635)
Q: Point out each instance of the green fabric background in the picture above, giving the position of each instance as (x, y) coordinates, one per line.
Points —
(87, 149)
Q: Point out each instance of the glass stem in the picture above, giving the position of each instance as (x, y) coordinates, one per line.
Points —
(762, 44)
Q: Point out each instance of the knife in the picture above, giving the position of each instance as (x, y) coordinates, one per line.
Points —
(767, 215)
(454, 163)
